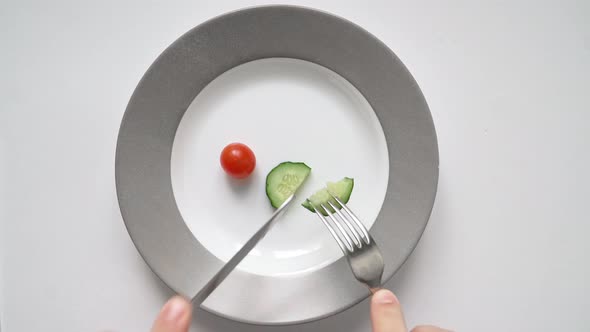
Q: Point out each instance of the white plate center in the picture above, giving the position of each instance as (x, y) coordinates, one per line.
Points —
(284, 110)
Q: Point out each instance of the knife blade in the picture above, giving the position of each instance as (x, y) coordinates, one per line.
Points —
(218, 278)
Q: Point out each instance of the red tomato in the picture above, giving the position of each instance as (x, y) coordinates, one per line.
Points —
(238, 160)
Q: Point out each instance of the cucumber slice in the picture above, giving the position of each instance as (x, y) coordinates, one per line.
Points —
(284, 180)
(341, 189)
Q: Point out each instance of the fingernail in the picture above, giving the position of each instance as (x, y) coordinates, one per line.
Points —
(174, 309)
(385, 297)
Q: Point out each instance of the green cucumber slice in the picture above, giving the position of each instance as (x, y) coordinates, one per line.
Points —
(284, 180)
(341, 189)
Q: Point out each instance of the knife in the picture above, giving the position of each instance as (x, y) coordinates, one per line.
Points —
(218, 278)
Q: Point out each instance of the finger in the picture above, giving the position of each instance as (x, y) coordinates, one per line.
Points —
(429, 328)
(386, 313)
(174, 317)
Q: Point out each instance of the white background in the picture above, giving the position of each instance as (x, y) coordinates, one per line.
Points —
(506, 248)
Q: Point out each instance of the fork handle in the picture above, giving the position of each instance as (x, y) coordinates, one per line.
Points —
(374, 290)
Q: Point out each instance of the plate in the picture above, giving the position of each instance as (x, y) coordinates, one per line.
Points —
(294, 84)
(249, 103)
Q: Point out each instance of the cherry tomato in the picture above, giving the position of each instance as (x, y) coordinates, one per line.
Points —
(238, 160)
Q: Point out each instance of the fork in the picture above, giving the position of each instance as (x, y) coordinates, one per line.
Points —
(361, 251)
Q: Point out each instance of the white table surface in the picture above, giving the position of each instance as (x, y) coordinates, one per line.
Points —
(506, 248)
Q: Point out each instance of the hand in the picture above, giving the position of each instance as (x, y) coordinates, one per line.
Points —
(387, 316)
(175, 316)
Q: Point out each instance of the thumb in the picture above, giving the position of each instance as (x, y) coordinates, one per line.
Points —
(174, 317)
(386, 313)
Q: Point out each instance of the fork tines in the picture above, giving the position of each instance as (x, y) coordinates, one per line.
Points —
(349, 233)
